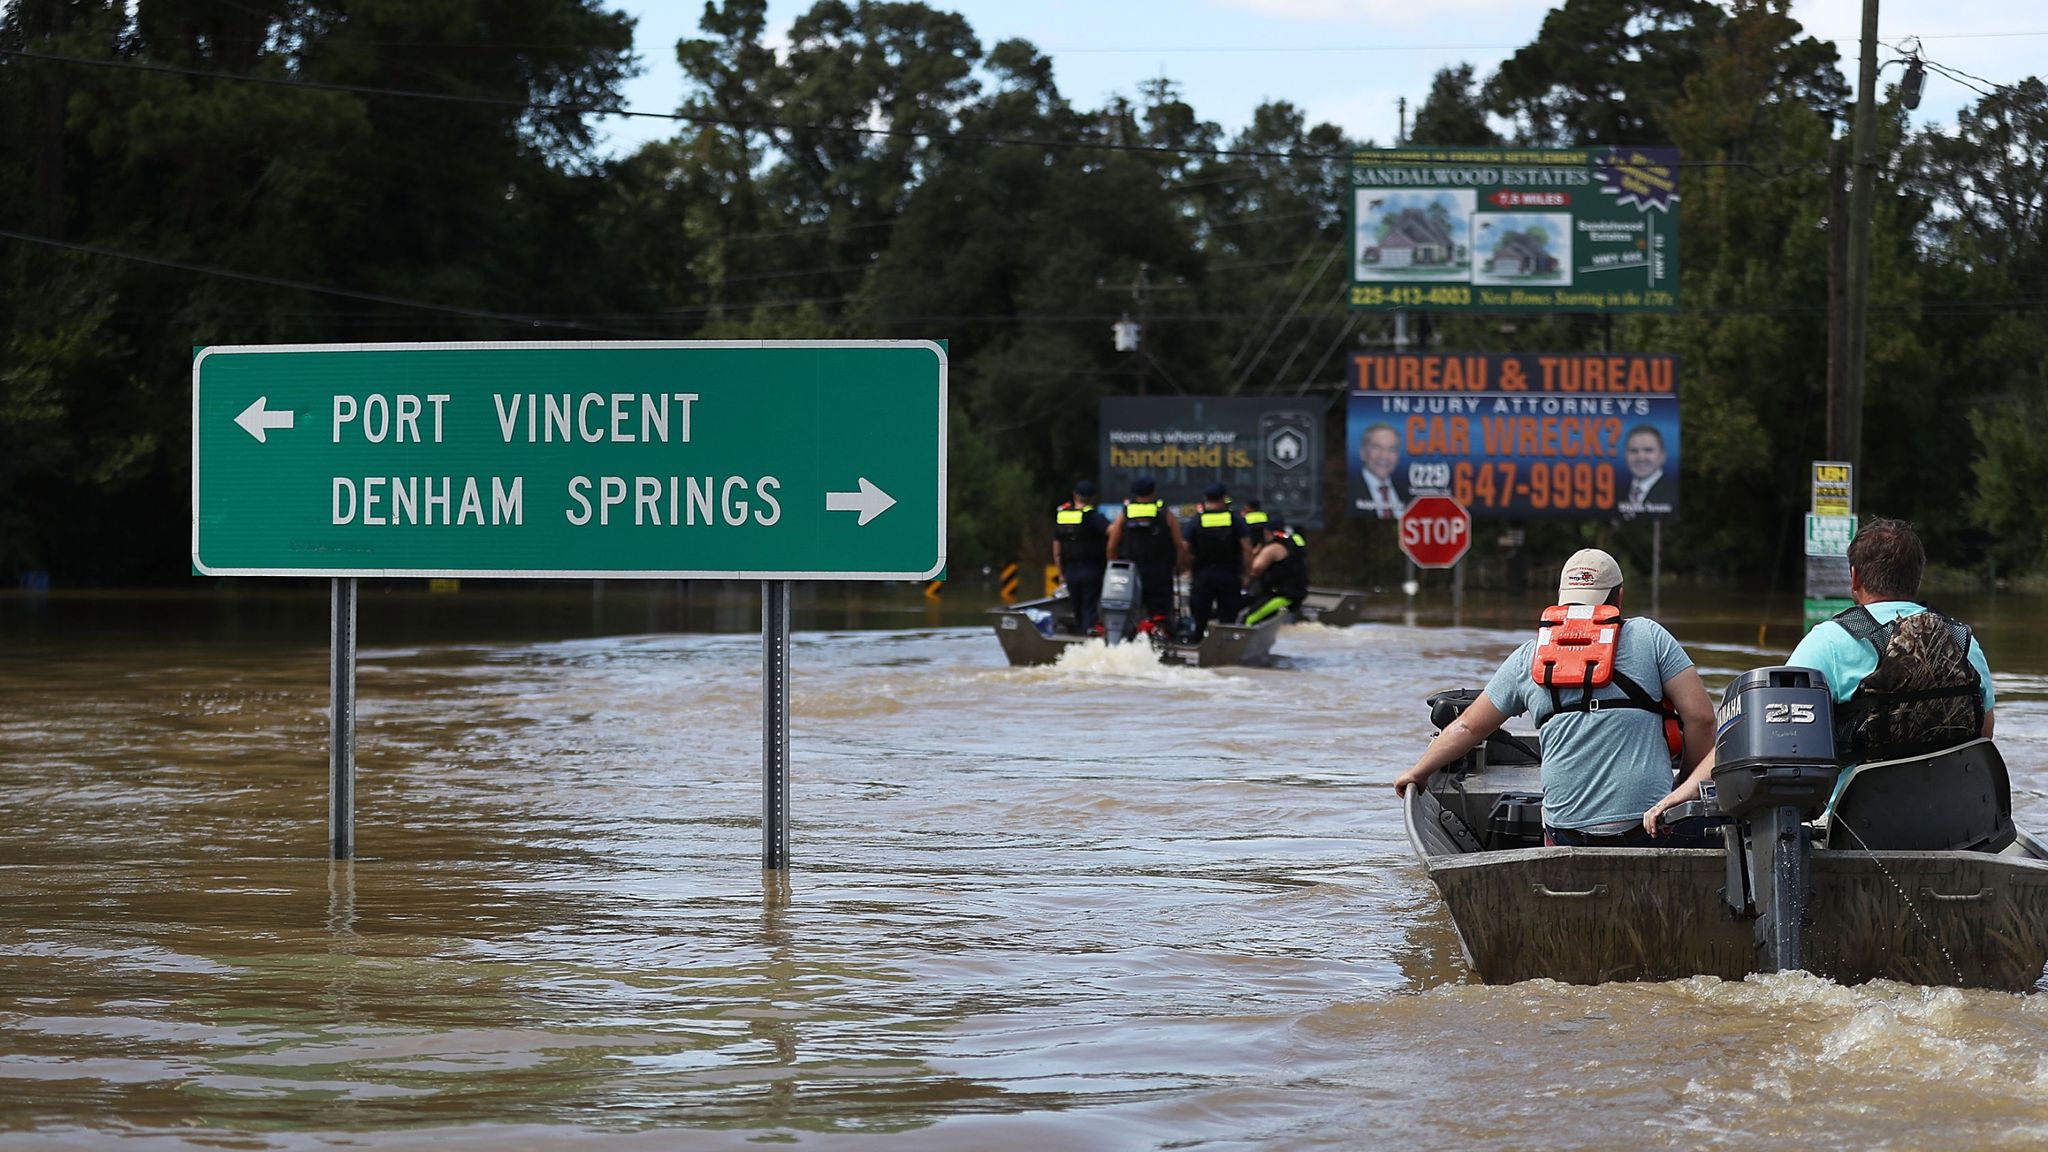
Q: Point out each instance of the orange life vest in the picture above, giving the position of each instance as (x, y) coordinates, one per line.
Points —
(1575, 649)
(1575, 646)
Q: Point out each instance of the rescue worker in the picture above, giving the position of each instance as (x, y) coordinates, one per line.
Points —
(1080, 548)
(1279, 574)
(1604, 766)
(1221, 550)
(1148, 535)
(1257, 519)
(1906, 680)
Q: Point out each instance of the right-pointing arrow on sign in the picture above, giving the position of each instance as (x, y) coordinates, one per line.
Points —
(870, 501)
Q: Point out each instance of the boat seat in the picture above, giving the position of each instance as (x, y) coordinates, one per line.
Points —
(1958, 799)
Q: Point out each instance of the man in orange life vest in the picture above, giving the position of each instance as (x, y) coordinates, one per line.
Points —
(1606, 759)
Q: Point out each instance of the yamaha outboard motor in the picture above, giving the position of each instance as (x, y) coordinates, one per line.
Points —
(1121, 597)
(1774, 769)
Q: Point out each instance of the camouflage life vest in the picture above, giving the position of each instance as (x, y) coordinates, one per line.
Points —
(1924, 696)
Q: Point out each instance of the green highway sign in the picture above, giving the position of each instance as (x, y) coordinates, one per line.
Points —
(768, 460)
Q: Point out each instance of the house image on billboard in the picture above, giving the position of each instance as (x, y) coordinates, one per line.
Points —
(1413, 239)
(1520, 254)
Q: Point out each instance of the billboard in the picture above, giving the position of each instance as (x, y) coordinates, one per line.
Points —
(1518, 435)
(1515, 230)
(1264, 447)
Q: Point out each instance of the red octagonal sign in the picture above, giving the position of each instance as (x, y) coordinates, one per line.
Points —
(1435, 531)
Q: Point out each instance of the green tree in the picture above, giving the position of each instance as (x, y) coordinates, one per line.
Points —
(1603, 71)
(1453, 113)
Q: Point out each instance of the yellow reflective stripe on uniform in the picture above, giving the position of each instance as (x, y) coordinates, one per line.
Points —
(1255, 518)
(1069, 516)
(1140, 511)
(1216, 519)
(1298, 541)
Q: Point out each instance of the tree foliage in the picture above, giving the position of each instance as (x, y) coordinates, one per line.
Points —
(176, 181)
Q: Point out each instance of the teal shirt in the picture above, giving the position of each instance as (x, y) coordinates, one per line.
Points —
(1604, 767)
(1845, 661)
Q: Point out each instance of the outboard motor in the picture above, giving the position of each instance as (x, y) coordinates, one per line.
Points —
(1121, 597)
(1774, 769)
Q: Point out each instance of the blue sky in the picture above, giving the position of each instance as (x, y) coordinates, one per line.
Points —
(1342, 61)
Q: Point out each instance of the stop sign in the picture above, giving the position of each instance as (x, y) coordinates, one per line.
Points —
(1435, 531)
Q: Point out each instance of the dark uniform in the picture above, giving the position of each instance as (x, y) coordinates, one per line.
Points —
(1284, 583)
(1083, 534)
(1255, 519)
(1218, 581)
(1148, 543)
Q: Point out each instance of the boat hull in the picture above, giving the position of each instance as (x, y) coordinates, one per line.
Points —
(1334, 607)
(1223, 644)
(1590, 915)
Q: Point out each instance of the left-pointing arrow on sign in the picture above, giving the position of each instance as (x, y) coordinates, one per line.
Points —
(870, 501)
(257, 421)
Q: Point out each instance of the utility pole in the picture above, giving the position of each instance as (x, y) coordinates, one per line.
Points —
(1838, 259)
(1862, 193)
(1139, 289)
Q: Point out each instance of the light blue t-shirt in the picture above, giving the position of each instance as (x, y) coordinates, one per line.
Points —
(1845, 661)
(1604, 767)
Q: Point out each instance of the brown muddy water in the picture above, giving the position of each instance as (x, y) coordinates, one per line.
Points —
(1106, 905)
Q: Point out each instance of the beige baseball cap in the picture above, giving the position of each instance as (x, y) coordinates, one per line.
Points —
(1587, 577)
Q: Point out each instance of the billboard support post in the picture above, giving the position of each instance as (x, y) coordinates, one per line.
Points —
(1656, 568)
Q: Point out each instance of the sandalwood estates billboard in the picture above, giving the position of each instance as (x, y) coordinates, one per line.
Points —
(1515, 230)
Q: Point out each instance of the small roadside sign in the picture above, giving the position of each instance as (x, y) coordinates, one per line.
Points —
(1436, 531)
(1833, 492)
(1829, 535)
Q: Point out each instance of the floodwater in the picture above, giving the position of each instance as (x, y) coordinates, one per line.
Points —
(1104, 905)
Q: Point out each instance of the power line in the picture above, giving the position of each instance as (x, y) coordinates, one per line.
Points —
(1975, 83)
(298, 285)
(763, 124)
(1288, 49)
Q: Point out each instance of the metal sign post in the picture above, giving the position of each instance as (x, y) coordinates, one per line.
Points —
(774, 725)
(341, 741)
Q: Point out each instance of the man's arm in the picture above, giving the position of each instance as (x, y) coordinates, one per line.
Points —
(1695, 713)
(1182, 559)
(1116, 540)
(1244, 565)
(1265, 558)
(1464, 734)
(1696, 718)
(1688, 789)
(1983, 667)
